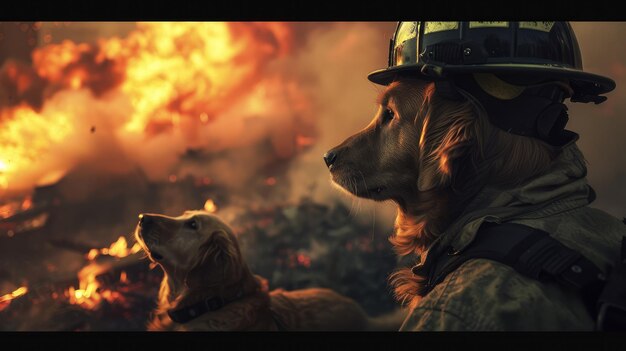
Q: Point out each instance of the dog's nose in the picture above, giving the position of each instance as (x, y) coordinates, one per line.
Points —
(330, 158)
(144, 221)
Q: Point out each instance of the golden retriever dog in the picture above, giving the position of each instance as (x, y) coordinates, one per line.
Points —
(208, 286)
(430, 155)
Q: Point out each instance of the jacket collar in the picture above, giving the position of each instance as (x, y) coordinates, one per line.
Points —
(563, 187)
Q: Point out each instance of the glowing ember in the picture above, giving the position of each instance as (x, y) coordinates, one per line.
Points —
(271, 181)
(5, 300)
(17, 293)
(27, 203)
(172, 178)
(210, 206)
(304, 141)
(93, 253)
(304, 260)
(123, 277)
(117, 249)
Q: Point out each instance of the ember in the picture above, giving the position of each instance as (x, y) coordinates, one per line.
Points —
(17, 293)
(5, 300)
(210, 206)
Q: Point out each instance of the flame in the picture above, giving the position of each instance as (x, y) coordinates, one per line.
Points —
(210, 206)
(5, 300)
(118, 248)
(25, 136)
(163, 78)
(87, 294)
(15, 294)
(123, 277)
(27, 203)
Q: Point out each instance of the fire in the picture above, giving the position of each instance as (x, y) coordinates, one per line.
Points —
(87, 294)
(119, 248)
(210, 206)
(17, 293)
(27, 203)
(162, 79)
(26, 135)
(123, 277)
(5, 300)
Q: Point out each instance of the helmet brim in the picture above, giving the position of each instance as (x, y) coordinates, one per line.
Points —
(581, 82)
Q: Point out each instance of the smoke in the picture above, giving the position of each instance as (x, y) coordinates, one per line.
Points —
(147, 99)
(336, 62)
(602, 127)
(282, 97)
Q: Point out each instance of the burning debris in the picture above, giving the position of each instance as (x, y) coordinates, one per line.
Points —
(293, 245)
(5, 300)
(118, 249)
(166, 123)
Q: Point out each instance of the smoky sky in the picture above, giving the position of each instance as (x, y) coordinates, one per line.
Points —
(602, 128)
(331, 61)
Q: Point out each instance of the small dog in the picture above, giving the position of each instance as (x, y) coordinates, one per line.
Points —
(208, 286)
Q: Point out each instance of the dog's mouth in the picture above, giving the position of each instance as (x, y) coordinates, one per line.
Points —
(356, 184)
(155, 255)
(148, 241)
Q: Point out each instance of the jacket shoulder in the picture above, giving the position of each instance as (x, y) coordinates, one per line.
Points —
(486, 295)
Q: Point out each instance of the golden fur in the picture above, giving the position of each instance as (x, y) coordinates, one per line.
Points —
(201, 259)
(431, 156)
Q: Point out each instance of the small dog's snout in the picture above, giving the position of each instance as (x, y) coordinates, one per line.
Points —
(145, 221)
(330, 157)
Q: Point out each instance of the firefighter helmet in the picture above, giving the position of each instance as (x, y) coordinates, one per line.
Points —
(523, 53)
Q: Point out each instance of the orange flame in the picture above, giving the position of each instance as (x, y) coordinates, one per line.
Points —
(17, 293)
(5, 300)
(162, 78)
(123, 277)
(118, 248)
(87, 294)
(210, 206)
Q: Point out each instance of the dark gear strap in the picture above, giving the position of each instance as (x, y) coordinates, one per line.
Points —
(612, 302)
(532, 253)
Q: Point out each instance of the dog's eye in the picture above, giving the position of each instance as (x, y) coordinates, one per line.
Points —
(192, 224)
(388, 115)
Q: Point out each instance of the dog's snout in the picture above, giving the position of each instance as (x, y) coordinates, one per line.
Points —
(145, 221)
(330, 157)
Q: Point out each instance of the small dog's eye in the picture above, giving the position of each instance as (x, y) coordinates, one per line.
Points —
(388, 115)
(192, 224)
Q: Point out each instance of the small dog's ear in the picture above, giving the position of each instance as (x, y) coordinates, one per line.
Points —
(219, 262)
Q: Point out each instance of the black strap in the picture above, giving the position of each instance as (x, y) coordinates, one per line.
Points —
(185, 314)
(612, 301)
(531, 252)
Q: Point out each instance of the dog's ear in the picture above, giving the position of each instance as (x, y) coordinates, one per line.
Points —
(446, 132)
(218, 263)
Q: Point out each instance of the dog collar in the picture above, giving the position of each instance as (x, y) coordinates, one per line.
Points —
(188, 313)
